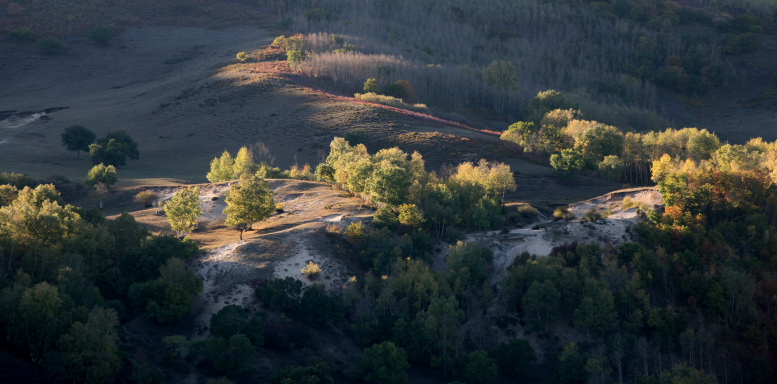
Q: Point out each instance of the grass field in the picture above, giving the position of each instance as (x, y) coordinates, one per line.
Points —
(183, 96)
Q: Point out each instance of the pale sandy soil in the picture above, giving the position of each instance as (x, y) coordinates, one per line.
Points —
(615, 229)
(278, 247)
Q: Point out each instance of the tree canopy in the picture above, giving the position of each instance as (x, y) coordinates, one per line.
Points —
(248, 201)
(101, 173)
(114, 149)
(77, 138)
(183, 209)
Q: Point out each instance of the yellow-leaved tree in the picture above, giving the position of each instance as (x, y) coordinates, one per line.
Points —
(249, 201)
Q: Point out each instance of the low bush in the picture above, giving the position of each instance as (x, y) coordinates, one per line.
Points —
(563, 213)
(101, 35)
(50, 46)
(390, 101)
(312, 270)
(356, 136)
(22, 35)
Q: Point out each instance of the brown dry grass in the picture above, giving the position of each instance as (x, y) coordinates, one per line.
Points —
(186, 113)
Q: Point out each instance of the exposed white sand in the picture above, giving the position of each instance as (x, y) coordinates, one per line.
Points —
(615, 229)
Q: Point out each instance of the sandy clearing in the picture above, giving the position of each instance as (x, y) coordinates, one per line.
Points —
(615, 229)
(278, 247)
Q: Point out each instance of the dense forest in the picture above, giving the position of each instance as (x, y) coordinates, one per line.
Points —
(692, 301)
(459, 55)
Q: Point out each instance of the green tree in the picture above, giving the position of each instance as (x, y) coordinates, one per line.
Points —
(501, 74)
(596, 310)
(356, 136)
(525, 134)
(409, 90)
(389, 184)
(410, 215)
(541, 303)
(183, 209)
(227, 355)
(384, 363)
(441, 324)
(18, 180)
(479, 368)
(468, 266)
(77, 138)
(610, 167)
(229, 321)
(254, 330)
(244, 163)
(36, 219)
(573, 364)
(101, 173)
(295, 57)
(598, 142)
(147, 198)
(114, 149)
(384, 217)
(249, 201)
(567, 163)
(317, 306)
(396, 90)
(222, 168)
(739, 289)
(91, 347)
(702, 144)
(325, 172)
(280, 294)
(544, 102)
(169, 297)
(8, 194)
(40, 320)
(371, 85)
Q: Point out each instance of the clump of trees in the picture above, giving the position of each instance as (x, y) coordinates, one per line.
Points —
(114, 149)
(390, 177)
(572, 145)
(68, 279)
(243, 165)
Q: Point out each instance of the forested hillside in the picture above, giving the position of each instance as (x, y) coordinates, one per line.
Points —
(465, 192)
(493, 56)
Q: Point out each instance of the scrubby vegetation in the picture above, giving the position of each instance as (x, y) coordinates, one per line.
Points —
(573, 145)
(653, 310)
(426, 292)
(485, 56)
(70, 278)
